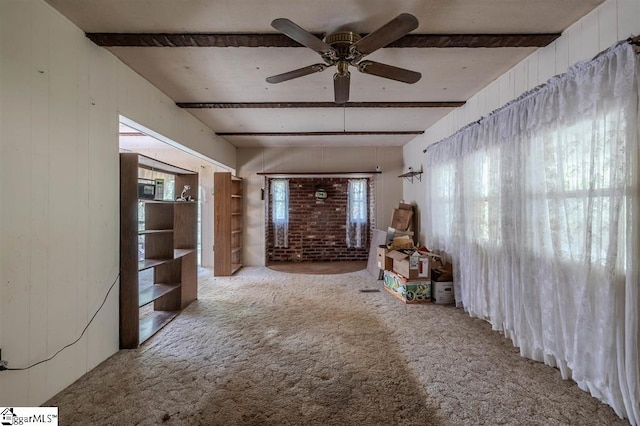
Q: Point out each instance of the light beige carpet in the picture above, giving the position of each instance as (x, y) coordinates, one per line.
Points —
(267, 348)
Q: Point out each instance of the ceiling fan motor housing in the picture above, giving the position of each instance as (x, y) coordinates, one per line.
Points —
(341, 41)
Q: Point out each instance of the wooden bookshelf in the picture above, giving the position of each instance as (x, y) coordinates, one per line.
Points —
(228, 224)
(170, 238)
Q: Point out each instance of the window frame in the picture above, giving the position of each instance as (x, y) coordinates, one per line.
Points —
(279, 207)
(358, 200)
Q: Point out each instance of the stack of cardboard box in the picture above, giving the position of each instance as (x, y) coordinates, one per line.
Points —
(442, 284)
(407, 273)
(407, 270)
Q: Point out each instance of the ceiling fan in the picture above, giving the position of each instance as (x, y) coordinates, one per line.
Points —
(344, 48)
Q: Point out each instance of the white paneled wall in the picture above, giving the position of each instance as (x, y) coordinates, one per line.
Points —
(309, 160)
(61, 97)
(612, 21)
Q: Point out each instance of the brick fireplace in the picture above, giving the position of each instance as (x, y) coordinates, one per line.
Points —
(317, 227)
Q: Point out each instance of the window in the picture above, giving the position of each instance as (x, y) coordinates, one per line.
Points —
(357, 217)
(280, 212)
(442, 196)
(484, 201)
(581, 189)
(544, 230)
(358, 200)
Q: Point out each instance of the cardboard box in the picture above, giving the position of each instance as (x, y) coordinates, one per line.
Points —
(412, 265)
(409, 291)
(401, 242)
(401, 264)
(401, 219)
(385, 263)
(442, 272)
(442, 292)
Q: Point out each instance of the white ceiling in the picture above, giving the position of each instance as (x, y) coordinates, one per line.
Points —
(237, 74)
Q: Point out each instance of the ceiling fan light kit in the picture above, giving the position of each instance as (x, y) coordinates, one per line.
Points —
(347, 48)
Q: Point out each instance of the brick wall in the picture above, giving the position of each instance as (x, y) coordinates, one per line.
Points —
(317, 228)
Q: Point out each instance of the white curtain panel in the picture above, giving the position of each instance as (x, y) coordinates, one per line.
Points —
(280, 212)
(538, 205)
(357, 219)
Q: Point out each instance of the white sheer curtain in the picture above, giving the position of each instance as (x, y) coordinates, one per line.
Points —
(357, 219)
(538, 205)
(280, 212)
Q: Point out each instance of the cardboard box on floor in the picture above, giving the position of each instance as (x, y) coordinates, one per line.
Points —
(442, 292)
(412, 265)
(409, 291)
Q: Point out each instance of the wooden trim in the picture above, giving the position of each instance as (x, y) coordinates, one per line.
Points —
(361, 133)
(149, 163)
(475, 40)
(233, 105)
(280, 40)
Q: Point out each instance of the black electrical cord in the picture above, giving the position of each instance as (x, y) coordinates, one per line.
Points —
(72, 343)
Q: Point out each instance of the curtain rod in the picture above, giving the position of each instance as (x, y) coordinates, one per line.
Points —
(318, 174)
(635, 41)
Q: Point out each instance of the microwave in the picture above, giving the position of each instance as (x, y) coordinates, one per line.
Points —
(146, 189)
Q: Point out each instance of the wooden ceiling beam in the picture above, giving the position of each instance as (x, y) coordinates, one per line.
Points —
(280, 40)
(234, 105)
(357, 133)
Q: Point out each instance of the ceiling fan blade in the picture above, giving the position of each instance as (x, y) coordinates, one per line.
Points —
(389, 32)
(388, 71)
(302, 36)
(301, 72)
(341, 87)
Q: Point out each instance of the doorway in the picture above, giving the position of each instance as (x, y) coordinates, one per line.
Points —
(134, 137)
